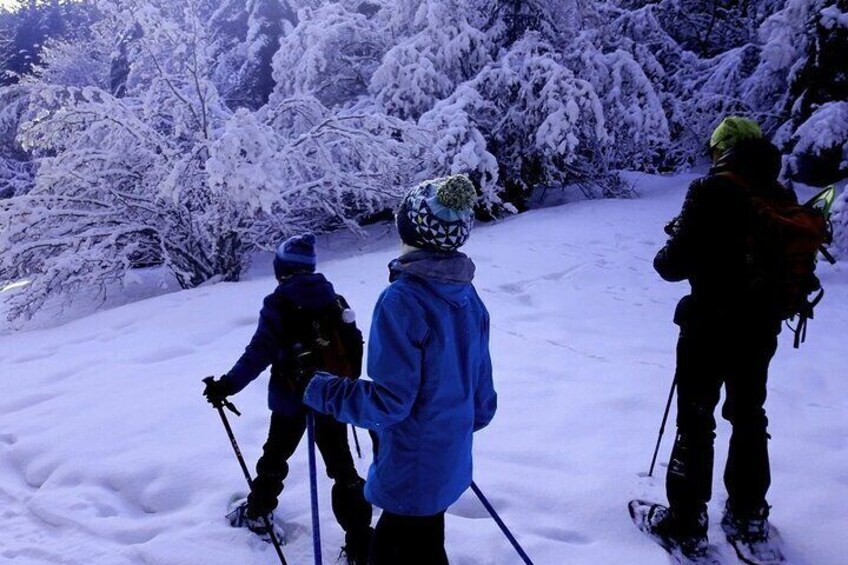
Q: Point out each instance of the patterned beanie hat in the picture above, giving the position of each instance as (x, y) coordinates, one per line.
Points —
(296, 254)
(438, 214)
(731, 131)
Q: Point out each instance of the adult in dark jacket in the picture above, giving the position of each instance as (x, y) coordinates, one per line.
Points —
(431, 387)
(728, 335)
(300, 292)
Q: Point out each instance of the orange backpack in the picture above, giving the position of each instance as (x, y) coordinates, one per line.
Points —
(783, 245)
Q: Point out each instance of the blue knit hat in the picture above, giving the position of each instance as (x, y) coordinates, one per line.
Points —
(438, 214)
(296, 254)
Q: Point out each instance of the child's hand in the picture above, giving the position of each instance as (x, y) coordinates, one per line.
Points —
(216, 391)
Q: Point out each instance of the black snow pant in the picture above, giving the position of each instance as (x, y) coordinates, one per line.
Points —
(352, 511)
(411, 540)
(712, 351)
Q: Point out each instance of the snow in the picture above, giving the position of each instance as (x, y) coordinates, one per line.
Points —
(109, 454)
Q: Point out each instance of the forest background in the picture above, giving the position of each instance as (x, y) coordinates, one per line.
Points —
(189, 134)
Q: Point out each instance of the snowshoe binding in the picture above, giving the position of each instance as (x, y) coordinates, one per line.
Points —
(656, 522)
(240, 517)
(755, 540)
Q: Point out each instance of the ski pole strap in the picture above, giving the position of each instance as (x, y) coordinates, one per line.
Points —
(313, 488)
(826, 254)
(501, 524)
(231, 407)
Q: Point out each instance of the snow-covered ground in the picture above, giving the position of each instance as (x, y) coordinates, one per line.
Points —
(109, 454)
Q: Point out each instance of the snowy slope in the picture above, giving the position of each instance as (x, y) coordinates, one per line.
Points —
(109, 455)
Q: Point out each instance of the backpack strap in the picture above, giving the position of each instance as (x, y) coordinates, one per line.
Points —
(800, 330)
(735, 179)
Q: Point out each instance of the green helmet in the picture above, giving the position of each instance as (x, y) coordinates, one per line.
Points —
(732, 130)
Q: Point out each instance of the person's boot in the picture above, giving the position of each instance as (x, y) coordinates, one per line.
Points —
(357, 546)
(353, 514)
(241, 517)
(687, 537)
(751, 534)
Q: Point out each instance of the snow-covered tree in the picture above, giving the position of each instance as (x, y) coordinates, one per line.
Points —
(16, 167)
(26, 26)
(443, 51)
(817, 130)
(543, 124)
(460, 126)
(840, 224)
(330, 55)
(122, 182)
(636, 122)
(75, 63)
(248, 35)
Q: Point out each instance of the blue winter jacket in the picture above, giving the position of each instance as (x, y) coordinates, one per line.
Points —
(431, 384)
(272, 341)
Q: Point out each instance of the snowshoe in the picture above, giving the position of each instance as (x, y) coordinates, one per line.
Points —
(755, 540)
(654, 520)
(239, 517)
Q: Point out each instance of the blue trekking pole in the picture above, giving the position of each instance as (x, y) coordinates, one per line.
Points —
(313, 487)
(300, 356)
(501, 524)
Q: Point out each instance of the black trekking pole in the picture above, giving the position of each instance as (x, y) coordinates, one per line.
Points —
(229, 406)
(662, 425)
(356, 441)
(501, 524)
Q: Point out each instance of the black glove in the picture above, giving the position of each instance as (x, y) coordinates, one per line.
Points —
(216, 391)
(302, 380)
(672, 227)
(304, 369)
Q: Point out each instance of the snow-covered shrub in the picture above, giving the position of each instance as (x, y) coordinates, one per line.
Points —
(122, 182)
(112, 192)
(312, 168)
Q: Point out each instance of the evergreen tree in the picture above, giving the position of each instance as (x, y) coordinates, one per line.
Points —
(818, 99)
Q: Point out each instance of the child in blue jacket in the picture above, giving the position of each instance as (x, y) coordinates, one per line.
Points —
(431, 377)
(300, 293)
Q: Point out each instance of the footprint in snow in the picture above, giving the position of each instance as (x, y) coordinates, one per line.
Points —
(8, 439)
(44, 354)
(164, 354)
(564, 536)
(25, 402)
